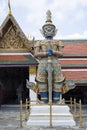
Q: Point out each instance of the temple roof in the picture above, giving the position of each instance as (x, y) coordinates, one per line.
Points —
(73, 62)
(14, 45)
(12, 60)
(10, 20)
(12, 38)
(79, 76)
(75, 48)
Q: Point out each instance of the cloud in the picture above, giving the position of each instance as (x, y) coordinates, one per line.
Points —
(80, 15)
(75, 36)
(2, 9)
(29, 4)
(61, 10)
(69, 16)
(67, 9)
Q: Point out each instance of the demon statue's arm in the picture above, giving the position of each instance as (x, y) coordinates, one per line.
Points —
(55, 50)
(58, 49)
(38, 50)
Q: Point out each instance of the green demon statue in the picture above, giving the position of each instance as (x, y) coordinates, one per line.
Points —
(49, 78)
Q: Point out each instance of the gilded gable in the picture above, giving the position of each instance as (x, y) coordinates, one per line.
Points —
(12, 38)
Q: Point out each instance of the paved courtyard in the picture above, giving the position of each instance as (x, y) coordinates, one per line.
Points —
(10, 120)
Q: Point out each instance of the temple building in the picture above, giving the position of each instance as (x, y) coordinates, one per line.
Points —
(17, 61)
(74, 66)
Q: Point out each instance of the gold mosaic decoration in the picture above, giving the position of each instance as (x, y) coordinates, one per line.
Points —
(11, 40)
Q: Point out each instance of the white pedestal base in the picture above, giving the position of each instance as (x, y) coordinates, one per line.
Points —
(40, 116)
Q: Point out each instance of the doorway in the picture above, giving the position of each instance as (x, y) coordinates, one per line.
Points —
(11, 78)
(80, 92)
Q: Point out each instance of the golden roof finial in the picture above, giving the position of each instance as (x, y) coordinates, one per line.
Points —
(48, 15)
(10, 13)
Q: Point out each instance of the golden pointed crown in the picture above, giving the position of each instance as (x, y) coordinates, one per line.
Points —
(48, 29)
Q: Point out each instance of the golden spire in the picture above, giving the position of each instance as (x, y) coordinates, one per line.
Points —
(48, 16)
(10, 13)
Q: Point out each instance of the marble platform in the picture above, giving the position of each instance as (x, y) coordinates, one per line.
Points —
(40, 116)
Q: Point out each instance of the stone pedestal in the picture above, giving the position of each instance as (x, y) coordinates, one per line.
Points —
(40, 116)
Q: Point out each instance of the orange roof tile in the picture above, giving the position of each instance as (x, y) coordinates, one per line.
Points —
(78, 48)
(76, 75)
(73, 61)
(12, 58)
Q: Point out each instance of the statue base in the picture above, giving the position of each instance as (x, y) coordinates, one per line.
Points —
(40, 116)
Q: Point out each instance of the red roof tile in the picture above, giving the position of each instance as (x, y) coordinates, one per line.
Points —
(73, 61)
(12, 58)
(17, 60)
(75, 48)
(76, 75)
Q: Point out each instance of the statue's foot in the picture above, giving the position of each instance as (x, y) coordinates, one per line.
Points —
(40, 102)
(62, 101)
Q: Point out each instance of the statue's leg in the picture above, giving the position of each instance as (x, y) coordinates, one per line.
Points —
(43, 92)
(57, 94)
(42, 81)
(58, 79)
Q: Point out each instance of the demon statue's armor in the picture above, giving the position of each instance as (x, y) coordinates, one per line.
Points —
(49, 76)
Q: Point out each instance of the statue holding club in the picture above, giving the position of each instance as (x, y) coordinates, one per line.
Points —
(50, 79)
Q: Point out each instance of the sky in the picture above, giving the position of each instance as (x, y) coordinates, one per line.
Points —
(69, 16)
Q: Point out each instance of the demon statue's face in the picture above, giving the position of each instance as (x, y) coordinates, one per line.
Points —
(48, 31)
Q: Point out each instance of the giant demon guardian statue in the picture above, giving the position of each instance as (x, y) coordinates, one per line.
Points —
(49, 78)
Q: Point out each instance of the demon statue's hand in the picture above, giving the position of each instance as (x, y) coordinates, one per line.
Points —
(49, 52)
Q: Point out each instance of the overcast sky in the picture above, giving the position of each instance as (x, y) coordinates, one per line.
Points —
(69, 16)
